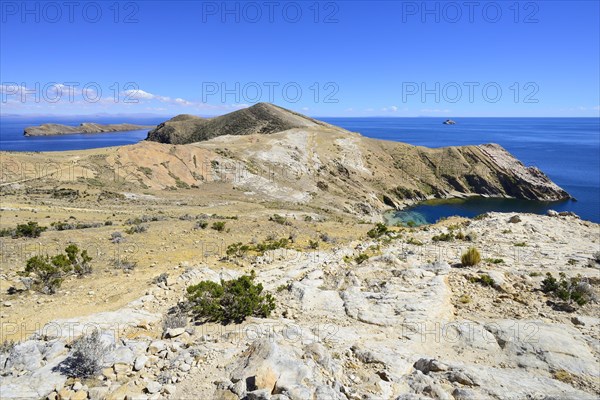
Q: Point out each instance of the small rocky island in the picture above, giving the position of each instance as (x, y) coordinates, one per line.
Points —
(86, 127)
(449, 122)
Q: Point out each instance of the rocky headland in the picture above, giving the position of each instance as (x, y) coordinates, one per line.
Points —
(85, 127)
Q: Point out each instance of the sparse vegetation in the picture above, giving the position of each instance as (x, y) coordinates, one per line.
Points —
(87, 354)
(202, 224)
(483, 279)
(313, 244)
(568, 289)
(414, 241)
(563, 376)
(49, 272)
(174, 318)
(137, 229)
(520, 244)
(465, 299)
(470, 257)
(124, 264)
(494, 260)
(378, 231)
(116, 237)
(229, 301)
(443, 237)
(280, 220)
(162, 278)
(218, 226)
(361, 258)
(30, 230)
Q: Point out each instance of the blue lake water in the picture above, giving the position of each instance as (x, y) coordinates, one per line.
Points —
(566, 149)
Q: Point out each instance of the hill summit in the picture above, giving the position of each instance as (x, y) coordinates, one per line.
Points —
(261, 118)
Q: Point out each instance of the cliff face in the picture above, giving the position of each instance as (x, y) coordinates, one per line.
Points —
(262, 118)
(86, 127)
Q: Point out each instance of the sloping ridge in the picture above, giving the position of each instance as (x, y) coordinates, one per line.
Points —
(261, 118)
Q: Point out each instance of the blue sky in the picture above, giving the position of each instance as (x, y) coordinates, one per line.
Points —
(344, 58)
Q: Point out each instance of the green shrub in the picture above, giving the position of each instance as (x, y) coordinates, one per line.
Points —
(443, 237)
(30, 229)
(378, 231)
(470, 257)
(411, 224)
(137, 229)
(50, 272)
(361, 258)
(520, 244)
(568, 289)
(279, 220)
(494, 260)
(484, 279)
(218, 226)
(272, 244)
(414, 241)
(201, 224)
(238, 250)
(313, 244)
(229, 301)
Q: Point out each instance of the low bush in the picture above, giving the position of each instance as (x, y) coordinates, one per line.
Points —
(116, 237)
(174, 318)
(86, 357)
(49, 272)
(278, 219)
(470, 257)
(30, 229)
(229, 301)
(162, 278)
(218, 226)
(378, 231)
(361, 258)
(443, 237)
(568, 289)
(137, 229)
(484, 279)
(124, 264)
(202, 224)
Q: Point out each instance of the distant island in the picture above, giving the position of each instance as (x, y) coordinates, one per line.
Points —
(86, 127)
(449, 122)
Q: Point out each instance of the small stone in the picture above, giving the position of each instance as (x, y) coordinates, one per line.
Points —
(157, 346)
(169, 389)
(121, 369)
(185, 367)
(77, 386)
(98, 393)
(81, 395)
(140, 362)
(65, 394)
(174, 332)
(153, 387)
(7, 304)
(577, 321)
